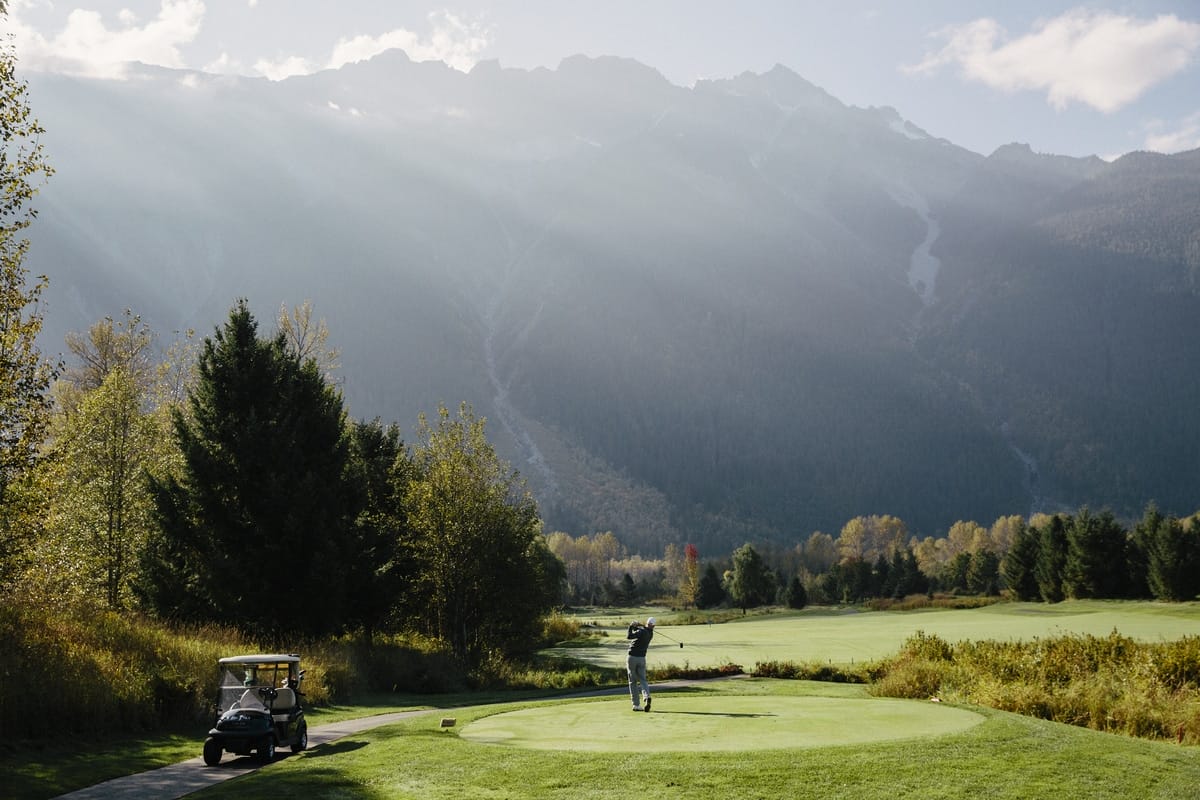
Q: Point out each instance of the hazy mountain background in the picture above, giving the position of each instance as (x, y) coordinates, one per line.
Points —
(737, 311)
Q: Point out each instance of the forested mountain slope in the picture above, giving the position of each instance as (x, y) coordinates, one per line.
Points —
(740, 310)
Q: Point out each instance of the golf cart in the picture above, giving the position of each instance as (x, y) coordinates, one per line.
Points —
(258, 708)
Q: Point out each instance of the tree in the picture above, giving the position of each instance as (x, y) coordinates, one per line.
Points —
(796, 596)
(1019, 566)
(25, 376)
(309, 340)
(253, 527)
(711, 593)
(819, 552)
(1172, 556)
(378, 469)
(1052, 555)
(751, 584)
(691, 575)
(109, 345)
(1095, 565)
(101, 500)
(983, 573)
(476, 540)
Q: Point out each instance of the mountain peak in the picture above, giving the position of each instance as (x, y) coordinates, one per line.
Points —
(781, 85)
(585, 67)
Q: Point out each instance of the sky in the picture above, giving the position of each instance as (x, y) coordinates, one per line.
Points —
(1071, 78)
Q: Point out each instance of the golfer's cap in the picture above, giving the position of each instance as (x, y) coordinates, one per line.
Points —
(650, 622)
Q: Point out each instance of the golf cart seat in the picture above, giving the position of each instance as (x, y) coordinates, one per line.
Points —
(285, 700)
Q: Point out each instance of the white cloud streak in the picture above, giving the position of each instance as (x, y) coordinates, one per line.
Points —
(87, 46)
(1184, 137)
(455, 41)
(1101, 59)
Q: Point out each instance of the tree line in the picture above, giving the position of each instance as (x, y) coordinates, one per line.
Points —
(225, 482)
(1050, 557)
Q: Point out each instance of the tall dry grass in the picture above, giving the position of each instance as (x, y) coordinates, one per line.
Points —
(1110, 683)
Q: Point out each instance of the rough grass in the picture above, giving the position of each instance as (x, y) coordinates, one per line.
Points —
(1111, 683)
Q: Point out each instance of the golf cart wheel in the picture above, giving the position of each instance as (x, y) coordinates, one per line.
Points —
(266, 753)
(212, 752)
(301, 738)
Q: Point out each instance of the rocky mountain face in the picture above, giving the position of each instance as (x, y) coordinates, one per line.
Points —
(736, 311)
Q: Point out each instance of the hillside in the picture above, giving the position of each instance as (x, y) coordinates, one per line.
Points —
(740, 310)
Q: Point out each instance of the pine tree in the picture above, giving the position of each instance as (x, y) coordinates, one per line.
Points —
(253, 532)
(797, 597)
(711, 593)
(1052, 555)
(1019, 566)
(1173, 556)
(1095, 565)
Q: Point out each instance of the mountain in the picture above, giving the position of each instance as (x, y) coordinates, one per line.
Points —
(737, 311)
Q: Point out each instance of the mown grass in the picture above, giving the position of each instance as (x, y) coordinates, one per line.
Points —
(851, 636)
(1006, 756)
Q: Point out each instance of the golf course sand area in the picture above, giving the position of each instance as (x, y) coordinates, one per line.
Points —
(684, 722)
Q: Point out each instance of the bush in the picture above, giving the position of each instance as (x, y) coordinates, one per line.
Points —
(686, 672)
(812, 671)
(916, 679)
(558, 628)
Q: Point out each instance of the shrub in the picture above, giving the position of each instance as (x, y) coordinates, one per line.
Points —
(916, 679)
(1178, 663)
(672, 672)
(812, 671)
(557, 628)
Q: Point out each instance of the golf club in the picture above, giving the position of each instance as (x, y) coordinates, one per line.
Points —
(676, 641)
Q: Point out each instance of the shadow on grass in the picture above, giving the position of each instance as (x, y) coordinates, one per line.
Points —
(732, 715)
(335, 748)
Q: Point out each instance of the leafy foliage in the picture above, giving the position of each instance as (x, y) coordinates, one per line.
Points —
(25, 376)
(483, 571)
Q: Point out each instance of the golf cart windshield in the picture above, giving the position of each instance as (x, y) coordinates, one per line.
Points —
(242, 677)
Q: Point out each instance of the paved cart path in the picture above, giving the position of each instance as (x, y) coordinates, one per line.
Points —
(177, 780)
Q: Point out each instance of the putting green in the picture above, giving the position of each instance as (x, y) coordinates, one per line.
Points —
(687, 723)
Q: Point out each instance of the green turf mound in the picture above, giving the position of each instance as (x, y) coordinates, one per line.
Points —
(680, 722)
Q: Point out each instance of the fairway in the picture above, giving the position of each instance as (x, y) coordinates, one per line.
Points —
(741, 722)
(849, 636)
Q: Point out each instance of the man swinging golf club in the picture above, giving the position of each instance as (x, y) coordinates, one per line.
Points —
(635, 663)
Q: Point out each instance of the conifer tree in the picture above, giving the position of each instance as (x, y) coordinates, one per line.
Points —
(253, 531)
(1019, 566)
(1052, 555)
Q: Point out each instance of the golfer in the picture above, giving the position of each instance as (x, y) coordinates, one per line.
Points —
(635, 663)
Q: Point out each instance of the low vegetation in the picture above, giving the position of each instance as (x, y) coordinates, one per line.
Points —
(1112, 683)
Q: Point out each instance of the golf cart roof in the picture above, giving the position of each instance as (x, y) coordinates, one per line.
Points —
(273, 658)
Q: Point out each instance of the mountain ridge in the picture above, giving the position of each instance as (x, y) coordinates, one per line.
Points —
(739, 310)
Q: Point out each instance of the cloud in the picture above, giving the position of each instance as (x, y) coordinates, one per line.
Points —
(455, 41)
(1185, 137)
(87, 46)
(285, 67)
(1102, 59)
